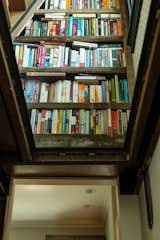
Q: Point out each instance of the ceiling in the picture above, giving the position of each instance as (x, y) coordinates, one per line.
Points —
(58, 204)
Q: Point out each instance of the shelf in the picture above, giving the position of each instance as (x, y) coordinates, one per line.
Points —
(113, 106)
(78, 141)
(99, 39)
(71, 11)
(76, 70)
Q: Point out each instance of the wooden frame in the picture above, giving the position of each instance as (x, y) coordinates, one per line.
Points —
(133, 24)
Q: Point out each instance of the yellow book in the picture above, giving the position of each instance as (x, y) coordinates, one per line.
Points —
(20, 59)
(59, 130)
(68, 4)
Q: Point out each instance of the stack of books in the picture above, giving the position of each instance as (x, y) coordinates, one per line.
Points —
(80, 54)
(73, 121)
(114, 90)
(81, 4)
(58, 24)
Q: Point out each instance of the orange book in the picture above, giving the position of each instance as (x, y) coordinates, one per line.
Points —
(68, 4)
(51, 94)
(119, 27)
(107, 92)
(81, 88)
(105, 4)
(96, 94)
(118, 3)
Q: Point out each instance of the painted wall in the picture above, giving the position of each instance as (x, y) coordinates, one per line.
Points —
(130, 222)
(141, 33)
(154, 171)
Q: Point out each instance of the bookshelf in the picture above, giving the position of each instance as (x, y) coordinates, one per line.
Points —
(107, 46)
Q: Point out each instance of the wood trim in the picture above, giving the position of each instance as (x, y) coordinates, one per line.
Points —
(77, 70)
(113, 106)
(145, 88)
(12, 93)
(134, 22)
(110, 39)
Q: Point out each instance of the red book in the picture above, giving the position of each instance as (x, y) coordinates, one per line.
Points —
(42, 124)
(43, 54)
(114, 116)
(36, 91)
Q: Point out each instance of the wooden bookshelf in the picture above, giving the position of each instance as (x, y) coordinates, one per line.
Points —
(76, 70)
(78, 141)
(71, 11)
(30, 39)
(113, 106)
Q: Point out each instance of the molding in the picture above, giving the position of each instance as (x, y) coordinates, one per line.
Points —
(134, 22)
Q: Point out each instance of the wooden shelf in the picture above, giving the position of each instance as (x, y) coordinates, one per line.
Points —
(113, 106)
(78, 141)
(71, 11)
(76, 70)
(99, 39)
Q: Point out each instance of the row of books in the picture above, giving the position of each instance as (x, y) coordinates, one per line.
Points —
(66, 91)
(73, 121)
(82, 54)
(81, 4)
(76, 25)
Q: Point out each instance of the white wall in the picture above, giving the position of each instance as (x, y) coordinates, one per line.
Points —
(130, 222)
(154, 171)
(141, 33)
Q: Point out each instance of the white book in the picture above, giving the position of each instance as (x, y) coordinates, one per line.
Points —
(25, 56)
(75, 92)
(92, 93)
(109, 117)
(59, 91)
(17, 53)
(66, 56)
(84, 15)
(109, 16)
(82, 57)
(33, 119)
(51, 57)
(85, 44)
(62, 4)
(99, 93)
(68, 90)
(110, 57)
(43, 92)
(51, 4)
(54, 15)
(59, 56)
(54, 121)
(62, 56)
(73, 58)
(56, 3)
(46, 4)
(102, 28)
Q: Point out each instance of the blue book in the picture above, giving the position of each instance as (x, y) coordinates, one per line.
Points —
(103, 91)
(37, 27)
(30, 57)
(70, 24)
(125, 87)
(82, 27)
(29, 91)
(64, 117)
